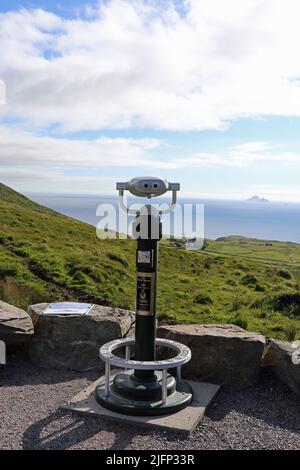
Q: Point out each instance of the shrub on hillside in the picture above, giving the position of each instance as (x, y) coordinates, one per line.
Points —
(207, 262)
(290, 333)
(21, 252)
(180, 294)
(237, 303)
(249, 280)
(20, 294)
(3, 239)
(117, 257)
(75, 265)
(165, 318)
(203, 299)
(284, 273)
(48, 269)
(231, 282)
(239, 321)
(287, 303)
(7, 268)
(259, 288)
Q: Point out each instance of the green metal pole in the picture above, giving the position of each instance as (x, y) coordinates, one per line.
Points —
(146, 294)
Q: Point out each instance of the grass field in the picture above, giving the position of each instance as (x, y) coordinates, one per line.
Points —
(46, 256)
(268, 252)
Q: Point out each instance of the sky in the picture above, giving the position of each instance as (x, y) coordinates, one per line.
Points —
(206, 93)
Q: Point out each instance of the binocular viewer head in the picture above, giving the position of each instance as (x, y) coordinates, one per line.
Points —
(148, 186)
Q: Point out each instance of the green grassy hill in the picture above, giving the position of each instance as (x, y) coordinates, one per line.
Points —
(46, 256)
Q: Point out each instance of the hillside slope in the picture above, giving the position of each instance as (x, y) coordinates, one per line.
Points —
(46, 256)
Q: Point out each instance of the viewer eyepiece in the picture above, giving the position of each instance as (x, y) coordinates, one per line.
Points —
(148, 186)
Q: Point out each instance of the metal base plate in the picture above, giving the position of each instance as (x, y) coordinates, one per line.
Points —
(179, 399)
(127, 385)
(184, 421)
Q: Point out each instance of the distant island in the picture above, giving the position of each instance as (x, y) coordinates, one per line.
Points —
(257, 199)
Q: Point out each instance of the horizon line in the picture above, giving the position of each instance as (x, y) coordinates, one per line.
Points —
(180, 196)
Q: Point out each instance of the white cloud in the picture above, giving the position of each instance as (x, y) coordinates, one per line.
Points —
(36, 163)
(2, 92)
(242, 155)
(20, 148)
(27, 151)
(21, 175)
(137, 63)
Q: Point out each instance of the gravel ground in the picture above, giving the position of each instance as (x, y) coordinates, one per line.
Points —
(262, 417)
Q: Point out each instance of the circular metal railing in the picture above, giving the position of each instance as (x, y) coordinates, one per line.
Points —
(182, 357)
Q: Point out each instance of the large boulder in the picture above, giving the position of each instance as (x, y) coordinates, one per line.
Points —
(73, 341)
(15, 325)
(280, 357)
(222, 354)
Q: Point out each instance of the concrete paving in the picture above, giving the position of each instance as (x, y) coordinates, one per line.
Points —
(183, 421)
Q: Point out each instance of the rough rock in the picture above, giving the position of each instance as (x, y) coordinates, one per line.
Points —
(15, 324)
(73, 341)
(284, 361)
(222, 354)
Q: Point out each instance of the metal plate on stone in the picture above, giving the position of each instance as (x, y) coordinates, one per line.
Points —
(67, 308)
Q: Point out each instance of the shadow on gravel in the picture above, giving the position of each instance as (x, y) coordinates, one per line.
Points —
(63, 430)
(270, 401)
(56, 431)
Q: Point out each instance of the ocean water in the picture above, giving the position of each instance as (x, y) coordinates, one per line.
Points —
(269, 221)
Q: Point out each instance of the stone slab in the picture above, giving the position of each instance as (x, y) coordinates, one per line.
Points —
(229, 355)
(282, 358)
(72, 342)
(15, 325)
(183, 421)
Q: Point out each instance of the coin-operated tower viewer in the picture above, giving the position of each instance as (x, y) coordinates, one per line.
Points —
(145, 388)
